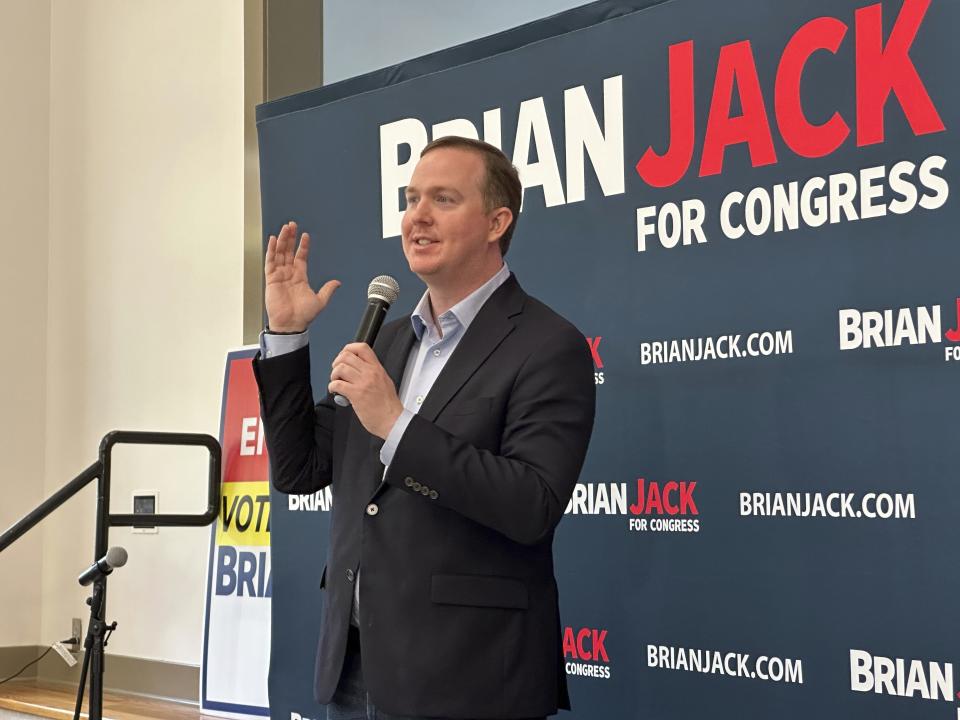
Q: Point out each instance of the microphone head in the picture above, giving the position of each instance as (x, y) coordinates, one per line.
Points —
(116, 556)
(383, 287)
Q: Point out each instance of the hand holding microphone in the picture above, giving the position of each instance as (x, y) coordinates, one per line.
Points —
(357, 377)
(381, 294)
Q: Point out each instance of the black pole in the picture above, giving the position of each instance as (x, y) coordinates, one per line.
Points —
(98, 606)
(83, 684)
(88, 644)
(98, 632)
(105, 521)
(49, 505)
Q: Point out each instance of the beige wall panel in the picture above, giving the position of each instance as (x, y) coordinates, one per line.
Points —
(24, 175)
(146, 260)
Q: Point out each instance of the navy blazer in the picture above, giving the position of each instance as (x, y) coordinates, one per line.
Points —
(458, 602)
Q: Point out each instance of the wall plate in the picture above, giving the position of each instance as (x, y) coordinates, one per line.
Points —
(146, 502)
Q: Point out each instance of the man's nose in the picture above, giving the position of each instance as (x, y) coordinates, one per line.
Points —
(420, 213)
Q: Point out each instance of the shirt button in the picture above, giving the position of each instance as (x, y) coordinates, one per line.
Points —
(419, 399)
(372, 509)
(350, 575)
(436, 353)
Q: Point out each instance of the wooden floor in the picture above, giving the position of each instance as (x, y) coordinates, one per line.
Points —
(57, 703)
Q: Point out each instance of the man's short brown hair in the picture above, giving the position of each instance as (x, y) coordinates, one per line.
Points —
(501, 187)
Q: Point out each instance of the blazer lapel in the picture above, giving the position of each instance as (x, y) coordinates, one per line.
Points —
(489, 328)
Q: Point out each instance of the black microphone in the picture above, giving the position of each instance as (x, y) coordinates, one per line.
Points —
(381, 294)
(115, 557)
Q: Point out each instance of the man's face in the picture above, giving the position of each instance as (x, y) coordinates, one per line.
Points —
(446, 231)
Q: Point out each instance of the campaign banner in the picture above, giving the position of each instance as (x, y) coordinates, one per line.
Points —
(236, 637)
(749, 209)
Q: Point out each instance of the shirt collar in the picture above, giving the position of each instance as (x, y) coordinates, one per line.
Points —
(463, 312)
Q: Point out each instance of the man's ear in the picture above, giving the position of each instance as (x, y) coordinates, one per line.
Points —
(500, 220)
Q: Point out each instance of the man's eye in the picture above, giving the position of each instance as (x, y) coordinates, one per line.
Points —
(411, 200)
(444, 199)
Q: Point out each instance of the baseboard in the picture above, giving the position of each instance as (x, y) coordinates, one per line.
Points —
(14, 658)
(139, 676)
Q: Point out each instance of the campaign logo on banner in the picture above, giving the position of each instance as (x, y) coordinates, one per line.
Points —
(868, 506)
(901, 327)
(764, 668)
(904, 678)
(585, 652)
(650, 505)
(763, 344)
(320, 501)
(236, 643)
(299, 716)
(594, 344)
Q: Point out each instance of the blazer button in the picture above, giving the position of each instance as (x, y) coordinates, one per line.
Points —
(416, 486)
(424, 490)
(350, 575)
(408, 481)
(433, 495)
(372, 509)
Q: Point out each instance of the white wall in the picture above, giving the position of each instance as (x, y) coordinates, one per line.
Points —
(24, 176)
(145, 287)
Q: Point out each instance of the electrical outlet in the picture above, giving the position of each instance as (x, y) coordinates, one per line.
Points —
(77, 630)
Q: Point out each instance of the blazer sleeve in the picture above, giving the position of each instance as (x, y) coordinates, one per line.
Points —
(299, 434)
(522, 490)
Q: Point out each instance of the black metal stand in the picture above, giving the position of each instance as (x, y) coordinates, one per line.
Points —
(83, 684)
(94, 656)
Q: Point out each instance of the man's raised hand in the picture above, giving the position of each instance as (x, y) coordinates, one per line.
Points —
(290, 302)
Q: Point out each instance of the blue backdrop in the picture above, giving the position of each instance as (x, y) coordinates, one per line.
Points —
(766, 520)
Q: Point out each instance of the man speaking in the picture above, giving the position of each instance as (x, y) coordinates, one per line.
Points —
(450, 467)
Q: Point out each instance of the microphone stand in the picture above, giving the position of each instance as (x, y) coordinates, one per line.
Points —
(98, 635)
